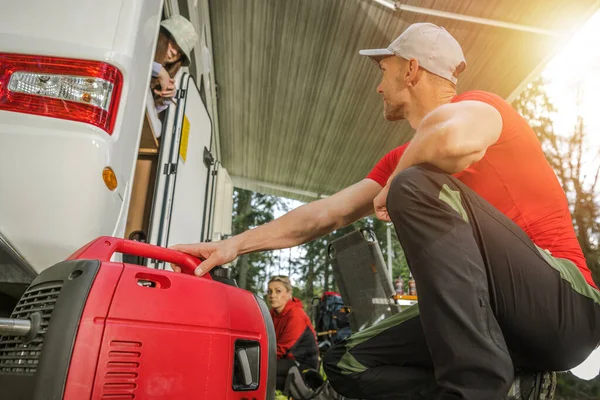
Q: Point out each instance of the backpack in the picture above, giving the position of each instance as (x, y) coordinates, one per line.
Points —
(308, 385)
(330, 319)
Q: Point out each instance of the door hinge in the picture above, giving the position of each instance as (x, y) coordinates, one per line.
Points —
(180, 94)
(208, 158)
(170, 169)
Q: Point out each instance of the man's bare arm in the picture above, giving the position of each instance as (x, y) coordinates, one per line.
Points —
(311, 220)
(453, 136)
(299, 226)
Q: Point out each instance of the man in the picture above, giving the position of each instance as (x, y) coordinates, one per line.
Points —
(503, 285)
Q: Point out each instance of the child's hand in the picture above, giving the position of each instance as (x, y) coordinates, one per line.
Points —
(167, 84)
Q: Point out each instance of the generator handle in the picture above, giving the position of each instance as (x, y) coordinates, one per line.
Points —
(104, 247)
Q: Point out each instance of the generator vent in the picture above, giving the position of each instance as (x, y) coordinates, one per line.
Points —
(17, 356)
(122, 372)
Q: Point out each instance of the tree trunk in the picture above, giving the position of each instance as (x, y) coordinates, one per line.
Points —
(242, 266)
(310, 288)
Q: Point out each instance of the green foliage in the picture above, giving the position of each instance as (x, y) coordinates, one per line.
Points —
(280, 396)
(569, 387)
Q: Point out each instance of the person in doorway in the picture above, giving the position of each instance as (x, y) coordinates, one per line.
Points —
(176, 39)
(504, 290)
(296, 339)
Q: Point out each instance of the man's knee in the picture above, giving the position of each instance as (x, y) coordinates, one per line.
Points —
(405, 186)
(417, 176)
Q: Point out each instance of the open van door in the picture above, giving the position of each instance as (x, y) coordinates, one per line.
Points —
(182, 202)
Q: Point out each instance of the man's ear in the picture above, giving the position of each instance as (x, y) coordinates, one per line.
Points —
(412, 75)
(459, 70)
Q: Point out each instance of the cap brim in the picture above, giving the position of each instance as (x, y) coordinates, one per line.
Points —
(376, 54)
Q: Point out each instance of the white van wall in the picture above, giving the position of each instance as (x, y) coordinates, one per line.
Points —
(202, 69)
(223, 214)
(57, 200)
(199, 15)
(53, 167)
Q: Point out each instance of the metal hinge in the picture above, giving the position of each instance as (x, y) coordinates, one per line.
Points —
(180, 94)
(170, 169)
(208, 158)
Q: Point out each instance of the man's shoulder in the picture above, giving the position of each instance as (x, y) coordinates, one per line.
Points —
(480, 95)
(507, 111)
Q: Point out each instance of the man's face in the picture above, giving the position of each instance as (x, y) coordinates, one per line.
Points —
(393, 88)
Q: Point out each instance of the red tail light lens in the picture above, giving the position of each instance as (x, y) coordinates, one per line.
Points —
(66, 88)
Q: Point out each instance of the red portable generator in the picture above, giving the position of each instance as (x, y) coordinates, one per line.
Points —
(88, 328)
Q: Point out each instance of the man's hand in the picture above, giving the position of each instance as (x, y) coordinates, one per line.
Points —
(167, 84)
(212, 254)
(380, 204)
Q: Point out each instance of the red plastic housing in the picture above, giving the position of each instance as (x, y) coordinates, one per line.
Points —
(58, 108)
(154, 334)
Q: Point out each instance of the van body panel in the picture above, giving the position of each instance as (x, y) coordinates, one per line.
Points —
(53, 197)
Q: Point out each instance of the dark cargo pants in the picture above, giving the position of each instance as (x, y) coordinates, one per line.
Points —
(490, 303)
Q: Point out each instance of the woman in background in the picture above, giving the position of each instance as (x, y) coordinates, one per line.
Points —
(296, 339)
(176, 39)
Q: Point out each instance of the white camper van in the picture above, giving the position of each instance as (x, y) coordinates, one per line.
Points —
(94, 157)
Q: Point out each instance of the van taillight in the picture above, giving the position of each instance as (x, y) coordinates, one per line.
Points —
(77, 90)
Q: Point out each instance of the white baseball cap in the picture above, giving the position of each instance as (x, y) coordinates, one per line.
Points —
(432, 46)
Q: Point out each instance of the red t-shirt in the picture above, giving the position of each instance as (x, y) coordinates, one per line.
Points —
(514, 177)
